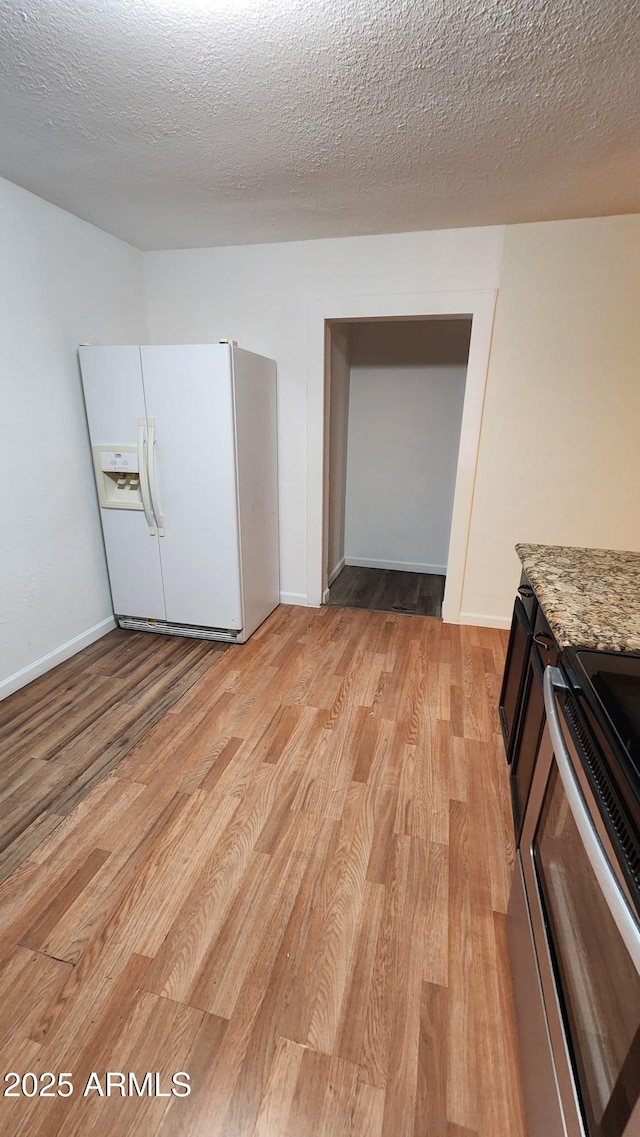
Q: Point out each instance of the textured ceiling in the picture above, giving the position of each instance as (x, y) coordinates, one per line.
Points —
(176, 123)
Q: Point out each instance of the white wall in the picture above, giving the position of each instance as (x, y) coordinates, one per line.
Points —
(337, 358)
(268, 296)
(406, 387)
(559, 458)
(62, 282)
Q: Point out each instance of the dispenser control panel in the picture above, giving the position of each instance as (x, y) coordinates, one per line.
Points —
(119, 461)
(117, 477)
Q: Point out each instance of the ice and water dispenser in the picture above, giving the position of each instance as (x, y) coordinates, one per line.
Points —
(118, 477)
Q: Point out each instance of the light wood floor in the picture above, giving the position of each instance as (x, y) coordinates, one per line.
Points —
(293, 888)
(65, 731)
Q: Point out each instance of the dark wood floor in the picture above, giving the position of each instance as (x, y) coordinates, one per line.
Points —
(293, 888)
(64, 732)
(388, 590)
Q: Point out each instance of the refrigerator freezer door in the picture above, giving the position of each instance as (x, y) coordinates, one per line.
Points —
(134, 565)
(189, 394)
(114, 398)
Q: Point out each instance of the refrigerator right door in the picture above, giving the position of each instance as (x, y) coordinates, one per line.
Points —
(114, 399)
(189, 400)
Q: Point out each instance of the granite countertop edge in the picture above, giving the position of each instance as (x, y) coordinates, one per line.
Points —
(590, 597)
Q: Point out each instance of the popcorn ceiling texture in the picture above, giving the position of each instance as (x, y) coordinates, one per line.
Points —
(181, 123)
(591, 597)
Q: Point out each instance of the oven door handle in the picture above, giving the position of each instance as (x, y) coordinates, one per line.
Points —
(614, 896)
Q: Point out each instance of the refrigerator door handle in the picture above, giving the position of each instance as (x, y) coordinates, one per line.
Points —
(151, 457)
(144, 480)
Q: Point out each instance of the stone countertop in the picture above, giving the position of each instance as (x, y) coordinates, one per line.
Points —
(591, 597)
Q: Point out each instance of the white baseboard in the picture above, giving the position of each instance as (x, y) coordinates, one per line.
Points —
(335, 571)
(297, 598)
(479, 620)
(53, 658)
(400, 566)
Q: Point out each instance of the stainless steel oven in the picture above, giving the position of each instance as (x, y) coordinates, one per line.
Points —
(574, 925)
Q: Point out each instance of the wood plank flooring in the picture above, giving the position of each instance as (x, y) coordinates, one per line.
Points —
(293, 888)
(64, 732)
(388, 590)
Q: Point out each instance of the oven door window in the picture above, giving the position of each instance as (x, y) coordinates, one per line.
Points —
(598, 984)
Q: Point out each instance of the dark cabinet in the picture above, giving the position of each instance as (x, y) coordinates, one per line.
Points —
(529, 736)
(516, 663)
(514, 674)
(531, 648)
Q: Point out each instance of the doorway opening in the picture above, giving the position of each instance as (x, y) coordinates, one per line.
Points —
(395, 392)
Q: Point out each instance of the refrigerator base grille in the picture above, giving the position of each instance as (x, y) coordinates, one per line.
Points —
(139, 624)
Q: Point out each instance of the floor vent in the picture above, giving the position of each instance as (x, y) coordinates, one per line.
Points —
(194, 631)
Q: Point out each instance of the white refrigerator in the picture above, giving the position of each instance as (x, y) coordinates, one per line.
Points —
(185, 460)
